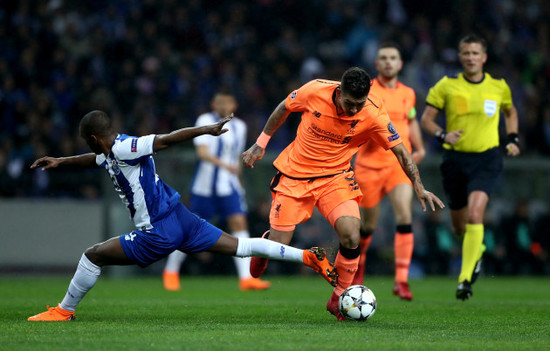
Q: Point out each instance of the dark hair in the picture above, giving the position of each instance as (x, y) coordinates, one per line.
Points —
(355, 82)
(225, 90)
(95, 123)
(390, 44)
(473, 38)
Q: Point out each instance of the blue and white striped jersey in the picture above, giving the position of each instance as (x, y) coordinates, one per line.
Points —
(132, 169)
(211, 180)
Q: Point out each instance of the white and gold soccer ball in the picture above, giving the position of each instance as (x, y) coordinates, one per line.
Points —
(357, 303)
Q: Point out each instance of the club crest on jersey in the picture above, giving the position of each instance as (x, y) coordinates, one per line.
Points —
(352, 124)
(293, 95)
(391, 128)
(490, 107)
(277, 209)
(115, 167)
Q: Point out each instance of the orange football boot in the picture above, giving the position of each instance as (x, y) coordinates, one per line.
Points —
(316, 259)
(171, 280)
(253, 284)
(53, 314)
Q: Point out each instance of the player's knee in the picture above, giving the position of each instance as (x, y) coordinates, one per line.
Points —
(92, 253)
(475, 217)
(403, 217)
(350, 240)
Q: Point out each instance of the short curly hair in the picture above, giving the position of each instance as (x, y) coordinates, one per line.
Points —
(355, 82)
(95, 123)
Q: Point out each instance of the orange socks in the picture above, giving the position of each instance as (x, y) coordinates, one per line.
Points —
(364, 244)
(403, 246)
(346, 269)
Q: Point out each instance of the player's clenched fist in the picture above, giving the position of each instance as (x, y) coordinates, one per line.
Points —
(253, 154)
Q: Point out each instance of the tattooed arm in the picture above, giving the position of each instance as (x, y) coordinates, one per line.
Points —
(277, 118)
(408, 165)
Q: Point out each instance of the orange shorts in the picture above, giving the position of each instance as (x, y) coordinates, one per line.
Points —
(375, 183)
(294, 199)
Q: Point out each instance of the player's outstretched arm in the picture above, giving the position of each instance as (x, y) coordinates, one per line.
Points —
(408, 165)
(80, 161)
(162, 141)
(257, 151)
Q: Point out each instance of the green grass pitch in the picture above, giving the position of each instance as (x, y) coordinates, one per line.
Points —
(210, 313)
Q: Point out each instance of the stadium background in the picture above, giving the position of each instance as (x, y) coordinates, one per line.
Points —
(154, 65)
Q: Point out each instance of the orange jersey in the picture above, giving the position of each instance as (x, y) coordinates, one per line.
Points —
(400, 104)
(326, 140)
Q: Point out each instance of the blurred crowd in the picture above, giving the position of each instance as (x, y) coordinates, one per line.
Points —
(153, 65)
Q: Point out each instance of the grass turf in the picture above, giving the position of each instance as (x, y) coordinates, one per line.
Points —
(211, 314)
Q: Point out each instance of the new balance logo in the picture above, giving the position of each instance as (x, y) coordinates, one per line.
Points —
(130, 236)
(353, 123)
(317, 114)
(353, 185)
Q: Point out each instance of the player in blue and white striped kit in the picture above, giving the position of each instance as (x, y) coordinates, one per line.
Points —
(162, 223)
(216, 188)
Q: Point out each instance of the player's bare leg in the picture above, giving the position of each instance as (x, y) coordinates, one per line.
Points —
(109, 252)
(401, 198)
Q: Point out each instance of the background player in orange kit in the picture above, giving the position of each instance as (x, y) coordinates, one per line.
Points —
(379, 174)
(314, 170)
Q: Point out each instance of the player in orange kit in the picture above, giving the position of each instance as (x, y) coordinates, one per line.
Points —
(378, 173)
(315, 170)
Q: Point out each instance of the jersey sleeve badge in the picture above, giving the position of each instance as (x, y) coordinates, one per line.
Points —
(134, 145)
(391, 128)
(393, 131)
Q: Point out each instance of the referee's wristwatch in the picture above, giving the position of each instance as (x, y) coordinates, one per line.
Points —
(440, 135)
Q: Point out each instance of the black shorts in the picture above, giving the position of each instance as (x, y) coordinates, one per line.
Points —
(464, 172)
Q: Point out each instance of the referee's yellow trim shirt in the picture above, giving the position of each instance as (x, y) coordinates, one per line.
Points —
(472, 107)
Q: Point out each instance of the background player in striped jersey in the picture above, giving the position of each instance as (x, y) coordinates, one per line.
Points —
(472, 162)
(162, 223)
(216, 188)
(378, 172)
(315, 169)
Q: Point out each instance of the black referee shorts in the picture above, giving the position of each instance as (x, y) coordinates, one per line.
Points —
(464, 172)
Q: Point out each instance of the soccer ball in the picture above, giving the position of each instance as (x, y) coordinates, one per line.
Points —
(357, 303)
